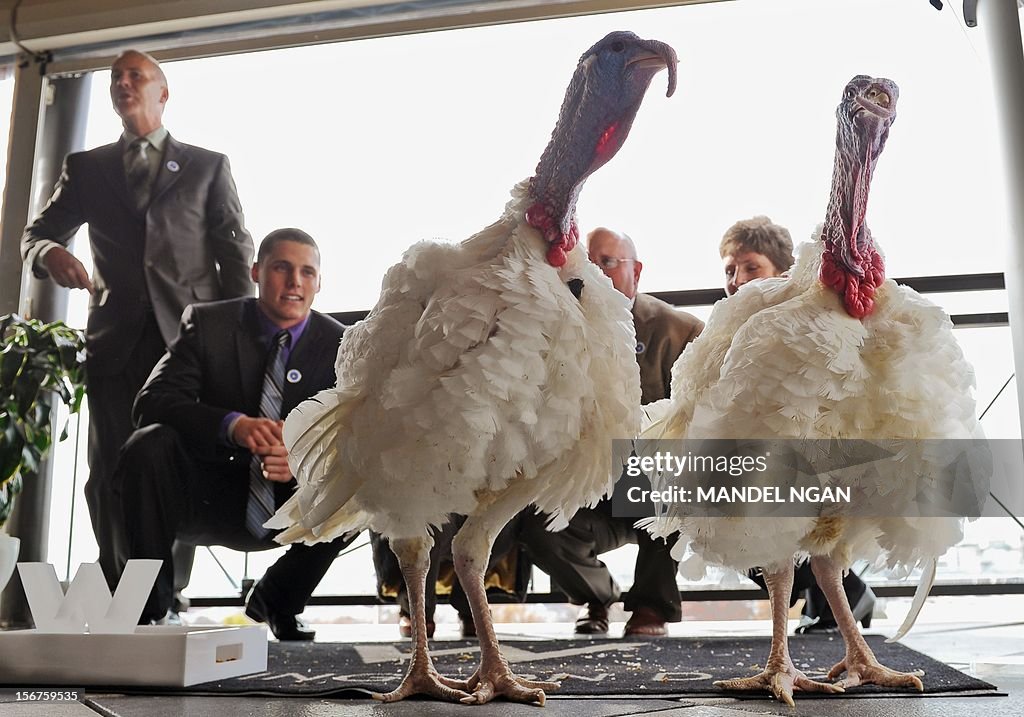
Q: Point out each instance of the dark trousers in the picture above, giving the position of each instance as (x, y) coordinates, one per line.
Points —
(805, 586)
(389, 573)
(111, 396)
(167, 495)
(570, 557)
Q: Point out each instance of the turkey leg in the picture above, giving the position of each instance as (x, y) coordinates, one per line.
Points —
(860, 665)
(471, 549)
(422, 678)
(780, 676)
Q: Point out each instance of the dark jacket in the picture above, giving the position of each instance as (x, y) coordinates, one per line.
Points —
(216, 366)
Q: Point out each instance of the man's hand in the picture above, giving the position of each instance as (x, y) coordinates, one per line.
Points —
(255, 433)
(66, 270)
(275, 464)
(262, 436)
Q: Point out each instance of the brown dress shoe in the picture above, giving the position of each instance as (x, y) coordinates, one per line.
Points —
(593, 620)
(405, 626)
(645, 622)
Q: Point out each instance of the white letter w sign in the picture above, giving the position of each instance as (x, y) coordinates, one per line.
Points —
(88, 605)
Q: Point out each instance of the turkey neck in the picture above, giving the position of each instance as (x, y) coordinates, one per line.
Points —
(851, 265)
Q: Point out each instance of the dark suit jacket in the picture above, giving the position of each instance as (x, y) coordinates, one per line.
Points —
(190, 245)
(216, 366)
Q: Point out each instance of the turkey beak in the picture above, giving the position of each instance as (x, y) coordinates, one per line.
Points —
(658, 56)
(576, 287)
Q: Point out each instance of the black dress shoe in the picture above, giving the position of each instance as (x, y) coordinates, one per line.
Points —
(285, 627)
(819, 618)
(593, 620)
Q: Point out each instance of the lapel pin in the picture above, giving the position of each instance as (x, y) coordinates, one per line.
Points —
(294, 375)
(640, 347)
(173, 166)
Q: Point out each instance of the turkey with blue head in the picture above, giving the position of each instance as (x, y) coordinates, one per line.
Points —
(491, 374)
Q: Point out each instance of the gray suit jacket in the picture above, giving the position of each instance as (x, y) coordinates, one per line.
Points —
(189, 245)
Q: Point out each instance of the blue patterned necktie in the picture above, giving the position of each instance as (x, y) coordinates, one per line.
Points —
(261, 491)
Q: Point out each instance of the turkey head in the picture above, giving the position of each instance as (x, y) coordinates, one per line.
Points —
(600, 104)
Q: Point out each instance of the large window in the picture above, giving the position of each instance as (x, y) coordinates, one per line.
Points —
(376, 144)
(373, 145)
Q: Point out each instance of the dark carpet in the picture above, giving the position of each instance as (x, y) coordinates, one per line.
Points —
(656, 668)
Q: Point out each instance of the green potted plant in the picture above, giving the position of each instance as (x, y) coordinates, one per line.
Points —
(38, 362)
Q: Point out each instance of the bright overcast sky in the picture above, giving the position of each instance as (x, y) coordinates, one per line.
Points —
(373, 145)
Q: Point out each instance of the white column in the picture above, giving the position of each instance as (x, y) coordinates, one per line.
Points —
(999, 22)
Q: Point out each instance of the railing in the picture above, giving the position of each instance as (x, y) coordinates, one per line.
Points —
(923, 284)
(694, 298)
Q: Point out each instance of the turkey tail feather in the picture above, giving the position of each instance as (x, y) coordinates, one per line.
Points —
(920, 595)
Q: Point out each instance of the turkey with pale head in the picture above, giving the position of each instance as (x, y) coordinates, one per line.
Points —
(831, 351)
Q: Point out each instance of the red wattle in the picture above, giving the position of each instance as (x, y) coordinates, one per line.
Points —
(857, 292)
(537, 217)
(556, 256)
(831, 274)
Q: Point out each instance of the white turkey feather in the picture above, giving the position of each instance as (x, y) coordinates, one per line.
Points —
(782, 359)
(920, 595)
(476, 368)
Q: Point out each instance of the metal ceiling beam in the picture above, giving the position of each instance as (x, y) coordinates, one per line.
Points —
(303, 22)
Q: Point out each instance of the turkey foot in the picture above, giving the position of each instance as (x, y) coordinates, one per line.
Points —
(501, 682)
(781, 681)
(864, 669)
(423, 679)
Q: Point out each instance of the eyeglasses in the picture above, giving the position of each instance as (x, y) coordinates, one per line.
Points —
(612, 262)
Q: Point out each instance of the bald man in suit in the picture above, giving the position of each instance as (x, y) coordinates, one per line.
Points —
(570, 556)
(166, 230)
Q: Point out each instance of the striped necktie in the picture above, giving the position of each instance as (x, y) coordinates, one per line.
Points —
(137, 173)
(261, 491)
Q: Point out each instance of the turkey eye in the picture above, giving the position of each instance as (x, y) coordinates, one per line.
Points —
(618, 46)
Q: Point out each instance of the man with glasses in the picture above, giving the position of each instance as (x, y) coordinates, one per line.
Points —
(570, 556)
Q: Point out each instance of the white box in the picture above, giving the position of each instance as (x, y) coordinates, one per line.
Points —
(155, 656)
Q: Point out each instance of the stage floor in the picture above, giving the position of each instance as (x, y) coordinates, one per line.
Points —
(989, 646)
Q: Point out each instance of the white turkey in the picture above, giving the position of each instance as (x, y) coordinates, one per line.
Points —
(833, 351)
(490, 375)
